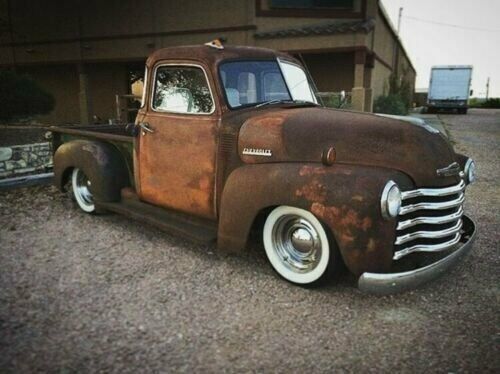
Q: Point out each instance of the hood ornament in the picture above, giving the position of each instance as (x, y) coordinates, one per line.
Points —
(450, 170)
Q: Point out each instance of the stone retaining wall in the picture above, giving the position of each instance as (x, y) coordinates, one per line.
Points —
(25, 159)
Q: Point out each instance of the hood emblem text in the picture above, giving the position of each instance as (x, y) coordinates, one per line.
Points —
(257, 152)
(450, 170)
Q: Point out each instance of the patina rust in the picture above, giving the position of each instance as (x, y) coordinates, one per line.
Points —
(332, 163)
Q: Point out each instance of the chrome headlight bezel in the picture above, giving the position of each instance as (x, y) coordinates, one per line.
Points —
(470, 171)
(391, 200)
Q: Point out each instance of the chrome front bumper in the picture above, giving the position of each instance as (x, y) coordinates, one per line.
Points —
(390, 283)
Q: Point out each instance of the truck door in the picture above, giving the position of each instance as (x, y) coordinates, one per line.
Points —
(175, 153)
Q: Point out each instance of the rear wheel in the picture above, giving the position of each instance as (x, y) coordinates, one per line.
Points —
(82, 191)
(297, 246)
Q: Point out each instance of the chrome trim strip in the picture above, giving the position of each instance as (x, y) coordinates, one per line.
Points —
(427, 247)
(391, 283)
(434, 191)
(429, 234)
(432, 206)
(431, 220)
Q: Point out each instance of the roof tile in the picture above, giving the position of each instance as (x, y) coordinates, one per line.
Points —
(319, 29)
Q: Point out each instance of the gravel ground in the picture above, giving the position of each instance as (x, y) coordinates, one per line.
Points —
(84, 294)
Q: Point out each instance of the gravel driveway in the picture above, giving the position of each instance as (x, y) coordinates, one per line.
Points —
(82, 294)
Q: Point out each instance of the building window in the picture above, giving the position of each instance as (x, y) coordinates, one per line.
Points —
(308, 4)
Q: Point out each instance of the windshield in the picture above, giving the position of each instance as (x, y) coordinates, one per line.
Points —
(256, 82)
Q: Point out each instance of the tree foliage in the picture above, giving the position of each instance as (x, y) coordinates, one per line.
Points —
(390, 104)
(491, 103)
(399, 98)
(21, 97)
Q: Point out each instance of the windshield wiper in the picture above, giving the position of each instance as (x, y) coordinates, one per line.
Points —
(288, 101)
(275, 101)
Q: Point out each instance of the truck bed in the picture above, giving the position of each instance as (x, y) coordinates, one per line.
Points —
(116, 133)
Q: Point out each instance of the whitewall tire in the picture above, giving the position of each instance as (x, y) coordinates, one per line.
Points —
(81, 186)
(297, 245)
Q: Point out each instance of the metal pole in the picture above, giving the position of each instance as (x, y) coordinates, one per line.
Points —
(399, 19)
(118, 109)
(488, 89)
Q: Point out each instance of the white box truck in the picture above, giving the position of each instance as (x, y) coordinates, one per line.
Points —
(449, 88)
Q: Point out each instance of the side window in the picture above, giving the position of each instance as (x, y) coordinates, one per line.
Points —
(182, 89)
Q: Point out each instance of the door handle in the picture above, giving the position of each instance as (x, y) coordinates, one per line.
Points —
(146, 128)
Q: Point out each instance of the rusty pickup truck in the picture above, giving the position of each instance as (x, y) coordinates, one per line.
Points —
(231, 139)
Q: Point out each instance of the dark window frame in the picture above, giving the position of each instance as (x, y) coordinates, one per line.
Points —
(180, 65)
(313, 6)
(260, 11)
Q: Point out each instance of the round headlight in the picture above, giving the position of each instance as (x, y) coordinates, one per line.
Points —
(390, 201)
(470, 171)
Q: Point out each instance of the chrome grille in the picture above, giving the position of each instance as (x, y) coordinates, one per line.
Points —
(430, 220)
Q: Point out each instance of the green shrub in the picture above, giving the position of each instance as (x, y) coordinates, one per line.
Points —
(336, 102)
(474, 102)
(491, 103)
(391, 104)
(21, 97)
(400, 86)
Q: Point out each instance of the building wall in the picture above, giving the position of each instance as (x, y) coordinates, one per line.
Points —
(332, 72)
(62, 81)
(50, 31)
(51, 38)
(389, 52)
(380, 79)
(383, 41)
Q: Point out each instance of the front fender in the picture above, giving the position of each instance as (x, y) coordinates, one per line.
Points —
(345, 198)
(101, 162)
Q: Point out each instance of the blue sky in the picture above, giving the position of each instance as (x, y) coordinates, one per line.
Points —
(471, 36)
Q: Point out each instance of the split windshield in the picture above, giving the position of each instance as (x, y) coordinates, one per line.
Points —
(259, 82)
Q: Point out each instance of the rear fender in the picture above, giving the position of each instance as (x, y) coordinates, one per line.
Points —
(101, 162)
(345, 198)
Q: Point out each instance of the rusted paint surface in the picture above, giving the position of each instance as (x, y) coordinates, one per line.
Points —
(101, 162)
(177, 163)
(358, 138)
(345, 198)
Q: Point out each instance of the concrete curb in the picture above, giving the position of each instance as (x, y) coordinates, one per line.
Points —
(26, 181)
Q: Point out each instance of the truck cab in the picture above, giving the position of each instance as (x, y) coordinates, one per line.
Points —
(230, 139)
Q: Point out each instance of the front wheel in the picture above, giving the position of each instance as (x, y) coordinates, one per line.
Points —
(297, 246)
(81, 185)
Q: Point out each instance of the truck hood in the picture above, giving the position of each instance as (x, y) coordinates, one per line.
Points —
(304, 134)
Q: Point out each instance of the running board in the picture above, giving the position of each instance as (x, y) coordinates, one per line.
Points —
(196, 229)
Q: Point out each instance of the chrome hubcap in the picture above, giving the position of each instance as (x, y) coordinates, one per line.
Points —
(297, 243)
(83, 186)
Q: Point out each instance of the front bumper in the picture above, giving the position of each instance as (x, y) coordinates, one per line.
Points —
(448, 104)
(390, 283)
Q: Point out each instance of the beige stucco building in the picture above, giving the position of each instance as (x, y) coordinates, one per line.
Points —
(84, 52)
